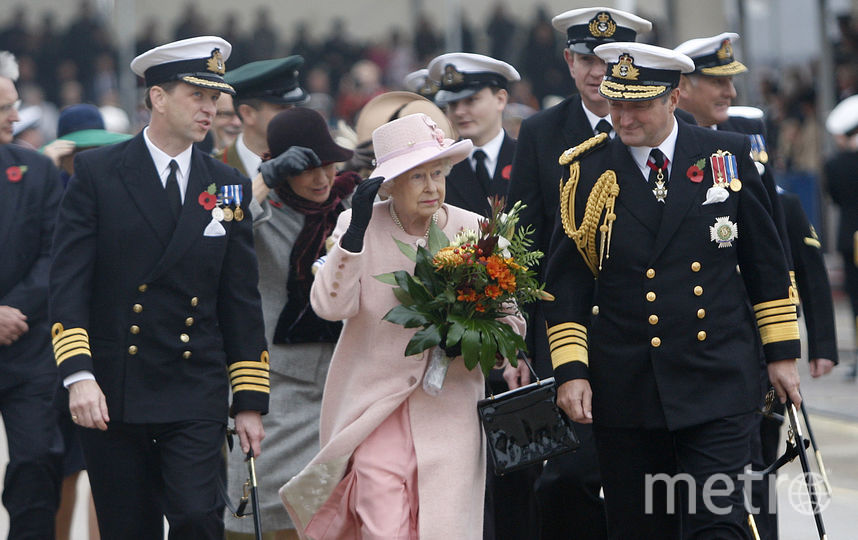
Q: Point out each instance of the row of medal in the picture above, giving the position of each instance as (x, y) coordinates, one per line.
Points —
(230, 195)
(725, 171)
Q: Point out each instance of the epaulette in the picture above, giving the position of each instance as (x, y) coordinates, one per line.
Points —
(580, 150)
(600, 200)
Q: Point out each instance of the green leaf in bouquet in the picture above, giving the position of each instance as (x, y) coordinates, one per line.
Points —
(471, 348)
(509, 343)
(403, 297)
(424, 270)
(455, 332)
(423, 339)
(488, 352)
(407, 316)
(407, 250)
(387, 279)
(412, 287)
(437, 238)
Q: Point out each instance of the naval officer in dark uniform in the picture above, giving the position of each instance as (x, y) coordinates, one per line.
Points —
(651, 335)
(30, 191)
(155, 309)
(474, 90)
(568, 489)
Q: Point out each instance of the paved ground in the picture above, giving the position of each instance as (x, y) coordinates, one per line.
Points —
(832, 403)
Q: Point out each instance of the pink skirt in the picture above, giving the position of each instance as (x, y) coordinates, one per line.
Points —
(377, 498)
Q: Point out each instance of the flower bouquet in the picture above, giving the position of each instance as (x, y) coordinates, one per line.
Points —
(461, 289)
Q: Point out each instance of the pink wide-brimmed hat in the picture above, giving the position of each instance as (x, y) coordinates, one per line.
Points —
(413, 140)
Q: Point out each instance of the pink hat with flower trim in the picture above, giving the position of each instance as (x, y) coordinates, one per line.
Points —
(413, 140)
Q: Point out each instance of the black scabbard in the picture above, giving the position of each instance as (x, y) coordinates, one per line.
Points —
(792, 414)
(254, 495)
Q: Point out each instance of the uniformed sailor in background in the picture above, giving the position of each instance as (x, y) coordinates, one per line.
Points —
(568, 489)
(660, 352)
(262, 89)
(155, 309)
(419, 82)
(474, 90)
(841, 175)
(708, 93)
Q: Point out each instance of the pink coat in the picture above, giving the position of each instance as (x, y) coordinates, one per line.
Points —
(370, 377)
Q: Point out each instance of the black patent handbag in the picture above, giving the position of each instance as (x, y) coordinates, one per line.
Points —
(524, 426)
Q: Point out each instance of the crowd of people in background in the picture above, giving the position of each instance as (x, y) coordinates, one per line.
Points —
(62, 66)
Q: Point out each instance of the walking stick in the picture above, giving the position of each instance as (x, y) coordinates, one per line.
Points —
(795, 433)
(816, 451)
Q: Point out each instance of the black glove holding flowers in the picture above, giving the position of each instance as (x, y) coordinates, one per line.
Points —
(292, 162)
(362, 202)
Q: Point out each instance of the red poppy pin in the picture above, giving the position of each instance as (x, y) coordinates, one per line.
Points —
(15, 173)
(506, 172)
(207, 198)
(695, 172)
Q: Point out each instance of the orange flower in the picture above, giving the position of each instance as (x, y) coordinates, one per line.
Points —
(466, 295)
(480, 308)
(492, 291)
(496, 266)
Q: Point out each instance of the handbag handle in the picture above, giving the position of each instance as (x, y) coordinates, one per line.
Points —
(521, 358)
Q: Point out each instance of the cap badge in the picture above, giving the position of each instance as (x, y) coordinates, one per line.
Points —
(625, 68)
(602, 25)
(452, 76)
(725, 52)
(429, 88)
(215, 62)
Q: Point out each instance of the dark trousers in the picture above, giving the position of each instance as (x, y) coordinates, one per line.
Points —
(568, 494)
(31, 488)
(140, 473)
(642, 506)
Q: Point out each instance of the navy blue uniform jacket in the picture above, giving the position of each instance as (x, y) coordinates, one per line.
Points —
(164, 316)
(664, 333)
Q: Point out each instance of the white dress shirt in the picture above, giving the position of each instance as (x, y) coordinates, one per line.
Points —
(492, 150)
(641, 153)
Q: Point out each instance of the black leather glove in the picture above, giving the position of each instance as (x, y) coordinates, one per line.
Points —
(362, 201)
(293, 161)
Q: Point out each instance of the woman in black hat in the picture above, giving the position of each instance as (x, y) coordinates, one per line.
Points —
(298, 196)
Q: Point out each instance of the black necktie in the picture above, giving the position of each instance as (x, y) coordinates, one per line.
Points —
(174, 196)
(657, 164)
(603, 127)
(482, 172)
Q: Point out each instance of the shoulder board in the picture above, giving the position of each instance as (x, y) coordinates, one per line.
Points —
(577, 151)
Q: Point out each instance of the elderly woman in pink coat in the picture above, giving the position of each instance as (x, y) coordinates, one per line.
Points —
(396, 462)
